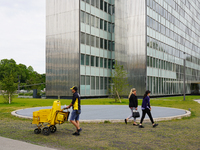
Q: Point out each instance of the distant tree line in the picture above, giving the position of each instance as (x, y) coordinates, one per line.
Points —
(11, 73)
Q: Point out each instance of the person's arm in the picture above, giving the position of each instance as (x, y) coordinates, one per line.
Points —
(149, 103)
(136, 102)
(69, 106)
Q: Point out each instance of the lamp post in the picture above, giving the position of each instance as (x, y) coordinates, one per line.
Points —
(184, 78)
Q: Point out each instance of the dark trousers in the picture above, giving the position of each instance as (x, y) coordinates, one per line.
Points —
(144, 112)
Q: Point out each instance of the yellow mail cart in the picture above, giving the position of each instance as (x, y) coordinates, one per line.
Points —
(48, 118)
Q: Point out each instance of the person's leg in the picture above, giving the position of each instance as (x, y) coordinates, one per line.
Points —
(143, 115)
(75, 124)
(129, 117)
(73, 117)
(150, 116)
(134, 117)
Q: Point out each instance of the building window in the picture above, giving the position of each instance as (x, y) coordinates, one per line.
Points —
(82, 16)
(87, 80)
(87, 18)
(105, 6)
(97, 61)
(113, 28)
(87, 39)
(92, 42)
(101, 83)
(109, 45)
(105, 63)
(109, 8)
(82, 38)
(105, 44)
(92, 20)
(101, 24)
(109, 27)
(113, 10)
(93, 83)
(97, 83)
(113, 64)
(97, 42)
(105, 83)
(97, 22)
(101, 4)
(82, 59)
(113, 46)
(105, 25)
(148, 61)
(88, 1)
(109, 63)
(87, 60)
(93, 2)
(101, 43)
(92, 60)
(97, 3)
(82, 80)
(101, 62)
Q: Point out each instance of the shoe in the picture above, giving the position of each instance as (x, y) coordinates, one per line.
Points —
(125, 121)
(141, 126)
(76, 133)
(155, 125)
(79, 130)
(135, 124)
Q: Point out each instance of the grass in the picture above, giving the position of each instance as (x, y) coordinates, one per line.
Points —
(175, 134)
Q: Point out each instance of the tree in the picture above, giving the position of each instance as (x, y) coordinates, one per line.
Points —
(119, 82)
(8, 86)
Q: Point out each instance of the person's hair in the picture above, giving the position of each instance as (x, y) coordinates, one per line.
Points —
(132, 90)
(146, 93)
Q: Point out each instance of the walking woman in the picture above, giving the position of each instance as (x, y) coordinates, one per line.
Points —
(133, 104)
(146, 109)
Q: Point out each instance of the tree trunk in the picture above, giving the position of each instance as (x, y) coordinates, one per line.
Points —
(9, 97)
(118, 95)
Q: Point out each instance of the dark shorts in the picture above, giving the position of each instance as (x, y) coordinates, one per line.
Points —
(75, 115)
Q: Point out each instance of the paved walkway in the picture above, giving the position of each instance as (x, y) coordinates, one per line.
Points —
(197, 100)
(113, 113)
(9, 144)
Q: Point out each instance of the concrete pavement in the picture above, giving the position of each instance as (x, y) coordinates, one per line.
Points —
(197, 100)
(9, 144)
(112, 113)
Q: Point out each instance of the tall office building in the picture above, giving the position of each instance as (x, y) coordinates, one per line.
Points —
(150, 38)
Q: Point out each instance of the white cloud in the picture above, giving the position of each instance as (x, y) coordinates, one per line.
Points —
(22, 32)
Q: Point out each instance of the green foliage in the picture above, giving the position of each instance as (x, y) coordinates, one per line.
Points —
(9, 86)
(120, 82)
(10, 73)
(26, 75)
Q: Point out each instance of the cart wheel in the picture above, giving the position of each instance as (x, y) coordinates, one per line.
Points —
(53, 129)
(46, 131)
(37, 131)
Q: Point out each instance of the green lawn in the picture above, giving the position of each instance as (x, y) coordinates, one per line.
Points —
(175, 134)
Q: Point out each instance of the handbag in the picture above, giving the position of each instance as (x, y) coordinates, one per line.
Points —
(136, 114)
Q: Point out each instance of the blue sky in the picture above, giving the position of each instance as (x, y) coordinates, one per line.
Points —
(22, 32)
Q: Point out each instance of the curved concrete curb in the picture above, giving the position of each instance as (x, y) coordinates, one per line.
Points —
(197, 100)
(20, 116)
(187, 114)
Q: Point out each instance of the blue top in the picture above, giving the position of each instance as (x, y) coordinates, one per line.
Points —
(146, 103)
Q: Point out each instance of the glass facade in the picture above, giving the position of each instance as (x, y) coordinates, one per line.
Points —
(173, 29)
(97, 46)
(150, 38)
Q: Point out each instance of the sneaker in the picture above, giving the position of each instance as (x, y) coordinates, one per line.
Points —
(141, 126)
(155, 125)
(76, 133)
(135, 124)
(125, 121)
(79, 130)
